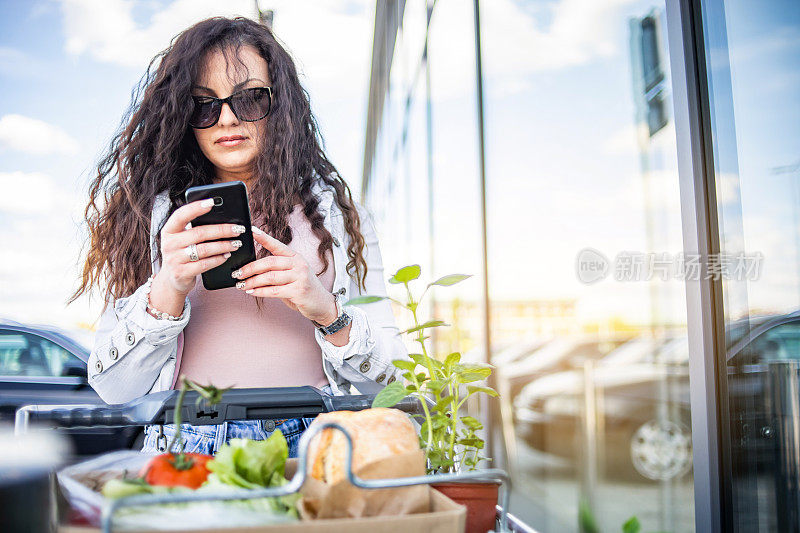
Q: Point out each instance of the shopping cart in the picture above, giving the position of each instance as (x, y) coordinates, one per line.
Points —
(249, 404)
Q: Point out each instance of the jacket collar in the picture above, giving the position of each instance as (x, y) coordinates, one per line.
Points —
(324, 194)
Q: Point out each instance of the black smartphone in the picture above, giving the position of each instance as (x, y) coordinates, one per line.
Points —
(230, 207)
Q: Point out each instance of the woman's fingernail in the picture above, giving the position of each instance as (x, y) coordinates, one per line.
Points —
(240, 284)
(257, 230)
(236, 274)
(208, 202)
(249, 291)
(226, 255)
(238, 229)
(236, 244)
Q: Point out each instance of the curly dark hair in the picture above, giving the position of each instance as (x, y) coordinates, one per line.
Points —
(155, 150)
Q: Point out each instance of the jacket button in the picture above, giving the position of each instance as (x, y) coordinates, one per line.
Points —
(391, 380)
(130, 338)
(270, 426)
(364, 366)
(98, 366)
(113, 353)
(380, 378)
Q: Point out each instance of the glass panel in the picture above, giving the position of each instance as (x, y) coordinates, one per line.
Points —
(753, 53)
(587, 300)
(586, 265)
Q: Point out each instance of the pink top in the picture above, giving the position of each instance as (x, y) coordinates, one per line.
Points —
(228, 342)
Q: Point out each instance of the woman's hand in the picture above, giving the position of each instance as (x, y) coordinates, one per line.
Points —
(286, 275)
(178, 272)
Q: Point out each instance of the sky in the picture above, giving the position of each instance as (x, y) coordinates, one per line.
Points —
(67, 69)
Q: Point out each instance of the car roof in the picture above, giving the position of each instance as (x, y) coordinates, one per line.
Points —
(53, 333)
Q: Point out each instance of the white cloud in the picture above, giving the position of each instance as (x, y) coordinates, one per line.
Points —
(108, 32)
(516, 44)
(34, 136)
(26, 192)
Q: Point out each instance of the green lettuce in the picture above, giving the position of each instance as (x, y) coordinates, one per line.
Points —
(253, 464)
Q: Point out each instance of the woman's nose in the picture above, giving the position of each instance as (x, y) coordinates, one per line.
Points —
(226, 115)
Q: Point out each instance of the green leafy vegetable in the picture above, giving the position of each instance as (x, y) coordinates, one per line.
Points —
(253, 464)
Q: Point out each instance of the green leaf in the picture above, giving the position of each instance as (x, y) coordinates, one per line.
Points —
(439, 421)
(452, 359)
(428, 324)
(443, 405)
(390, 395)
(474, 375)
(417, 358)
(405, 274)
(436, 385)
(402, 364)
(450, 279)
(472, 423)
(474, 442)
(632, 525)
(462, 367)
(472, 389)
(358, 300)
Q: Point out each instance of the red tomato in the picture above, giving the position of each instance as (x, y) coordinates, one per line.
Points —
(173, 470)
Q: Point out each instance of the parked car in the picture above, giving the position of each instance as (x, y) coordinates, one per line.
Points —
(643, 402)
(554, 356)
(42, 364)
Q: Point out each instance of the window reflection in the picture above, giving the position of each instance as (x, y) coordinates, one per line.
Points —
(753, 53)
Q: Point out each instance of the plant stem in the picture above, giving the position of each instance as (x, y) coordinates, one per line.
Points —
(177, 418)
(453, 388)
(428, 418)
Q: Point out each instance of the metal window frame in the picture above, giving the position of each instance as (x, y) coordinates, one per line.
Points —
(705, 312)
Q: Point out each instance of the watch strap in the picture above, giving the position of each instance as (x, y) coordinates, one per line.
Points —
(341, 321)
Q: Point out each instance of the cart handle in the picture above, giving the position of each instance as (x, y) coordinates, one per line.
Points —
(237, 404)
(300, 476)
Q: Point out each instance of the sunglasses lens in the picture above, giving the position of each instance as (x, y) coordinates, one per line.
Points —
(205, 114)
(252, 104)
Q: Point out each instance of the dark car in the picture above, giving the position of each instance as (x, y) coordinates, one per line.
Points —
(645, 407)
(45, 365)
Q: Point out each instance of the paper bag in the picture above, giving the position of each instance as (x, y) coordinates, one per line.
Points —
(344, 500)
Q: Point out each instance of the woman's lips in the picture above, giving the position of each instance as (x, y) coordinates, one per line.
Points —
(232, 142)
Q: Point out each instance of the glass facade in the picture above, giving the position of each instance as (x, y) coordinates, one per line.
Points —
(585, 265)
(753, 57)
(616, 264)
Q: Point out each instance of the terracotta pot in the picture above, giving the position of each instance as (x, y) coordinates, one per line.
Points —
(480, 499)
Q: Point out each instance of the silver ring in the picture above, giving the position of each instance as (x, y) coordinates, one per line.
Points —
(191, 251)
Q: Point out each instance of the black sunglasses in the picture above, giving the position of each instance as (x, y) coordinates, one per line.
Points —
(248, 105)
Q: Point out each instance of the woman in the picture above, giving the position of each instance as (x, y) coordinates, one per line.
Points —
(225, 104)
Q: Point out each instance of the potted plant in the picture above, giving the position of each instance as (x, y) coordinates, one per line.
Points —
(443, 385)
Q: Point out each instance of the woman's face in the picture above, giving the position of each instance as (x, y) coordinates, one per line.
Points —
(232, 162)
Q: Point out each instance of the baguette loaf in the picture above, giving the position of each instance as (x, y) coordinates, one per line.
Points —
(376, 433)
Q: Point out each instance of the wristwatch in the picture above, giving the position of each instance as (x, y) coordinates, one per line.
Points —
(342, 319)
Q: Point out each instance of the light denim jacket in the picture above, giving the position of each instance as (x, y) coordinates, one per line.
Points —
(135, 353)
